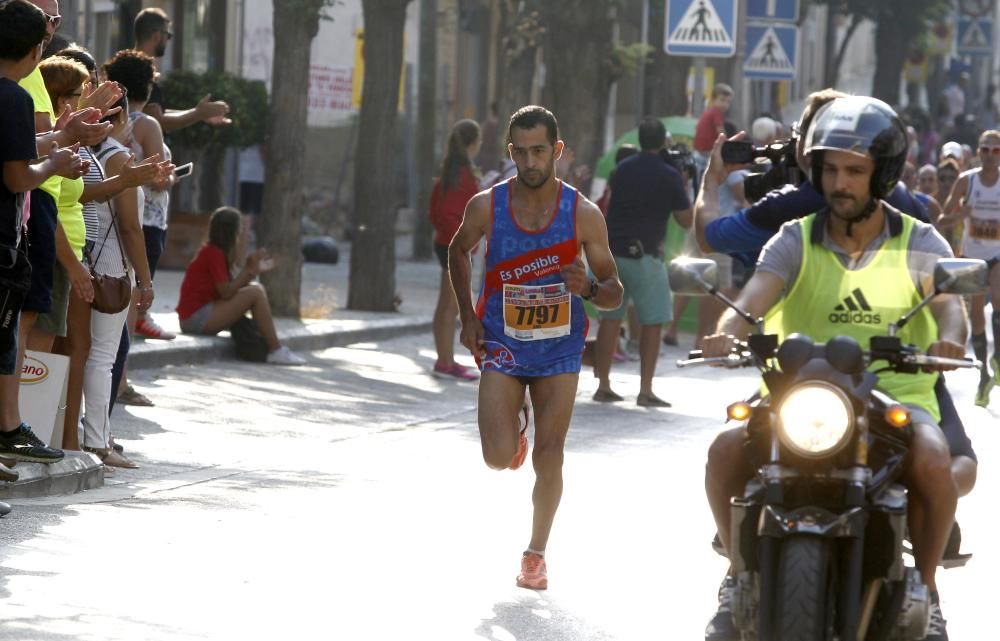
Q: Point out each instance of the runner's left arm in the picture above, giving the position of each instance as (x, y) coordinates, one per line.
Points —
(593, 235)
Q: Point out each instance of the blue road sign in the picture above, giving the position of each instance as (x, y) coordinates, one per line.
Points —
(774, 10)
(701, 28)
(974, 36)
(771, 51)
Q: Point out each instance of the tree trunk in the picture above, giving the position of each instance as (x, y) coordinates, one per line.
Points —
(518, 50)
(666, 76)
(577, 43)
(426, 135)
(373, 249)
(890, 47)
(280, 224)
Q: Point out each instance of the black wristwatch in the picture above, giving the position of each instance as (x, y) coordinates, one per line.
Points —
(593, 290)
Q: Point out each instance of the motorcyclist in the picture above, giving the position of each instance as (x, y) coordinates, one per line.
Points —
(848, 251)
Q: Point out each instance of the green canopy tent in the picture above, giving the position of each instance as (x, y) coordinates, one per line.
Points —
(681, 129)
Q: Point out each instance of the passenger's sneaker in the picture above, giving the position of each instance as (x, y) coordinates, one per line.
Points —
(285, 356)
(533, 575)
(461, 372)
(721, 627)
(21, 444)
(986, 385)
(937, 630)
(524, 418)
(148, 328)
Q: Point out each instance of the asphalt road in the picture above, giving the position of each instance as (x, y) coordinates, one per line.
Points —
(348, 500)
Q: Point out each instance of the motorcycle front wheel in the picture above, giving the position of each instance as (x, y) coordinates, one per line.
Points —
(805, 596)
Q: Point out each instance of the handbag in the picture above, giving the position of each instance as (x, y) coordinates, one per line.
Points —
(15, 280)
(112, 294)
(249, 342)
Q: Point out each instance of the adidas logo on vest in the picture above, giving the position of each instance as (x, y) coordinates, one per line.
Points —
(855, 309)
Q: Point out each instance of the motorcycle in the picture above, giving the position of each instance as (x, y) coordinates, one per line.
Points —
(817, 537)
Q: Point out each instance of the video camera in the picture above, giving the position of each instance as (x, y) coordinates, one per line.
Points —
(784, 165)
(680, 158)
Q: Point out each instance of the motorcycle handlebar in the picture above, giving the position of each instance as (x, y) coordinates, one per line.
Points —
(731, 361)
(924, 359)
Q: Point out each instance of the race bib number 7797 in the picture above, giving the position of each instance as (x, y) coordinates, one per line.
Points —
(536, 312)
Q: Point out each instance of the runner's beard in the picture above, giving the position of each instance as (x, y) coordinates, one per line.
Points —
(540, 178)
(161, 50)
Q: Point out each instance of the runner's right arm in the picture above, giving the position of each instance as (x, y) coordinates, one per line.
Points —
(954, 207)
(475, 225)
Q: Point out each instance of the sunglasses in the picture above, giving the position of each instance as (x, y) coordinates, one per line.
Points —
(989, 149)
(169, 34)
(55, 20)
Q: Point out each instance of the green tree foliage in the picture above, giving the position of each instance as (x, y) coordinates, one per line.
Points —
(900, 23)
(247, 101)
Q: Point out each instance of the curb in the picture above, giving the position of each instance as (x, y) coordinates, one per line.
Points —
(77, 472)
(197, 350)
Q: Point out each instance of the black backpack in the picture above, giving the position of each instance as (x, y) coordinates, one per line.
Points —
(249, 342)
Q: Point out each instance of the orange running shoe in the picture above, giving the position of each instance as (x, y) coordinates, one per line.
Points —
(533, 575)
(522, 439)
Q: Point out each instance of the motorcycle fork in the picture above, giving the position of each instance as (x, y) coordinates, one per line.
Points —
(768, 564)
(849, 603)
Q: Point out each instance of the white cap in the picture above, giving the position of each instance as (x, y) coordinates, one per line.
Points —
(952, 148)
(763, 130)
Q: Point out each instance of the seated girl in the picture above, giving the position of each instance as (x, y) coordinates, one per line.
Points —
(212, 299)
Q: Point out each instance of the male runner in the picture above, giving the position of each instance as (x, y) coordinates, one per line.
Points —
(528, 328)
(976, 197)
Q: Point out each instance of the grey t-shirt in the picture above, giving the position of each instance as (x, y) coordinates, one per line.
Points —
(782, 255)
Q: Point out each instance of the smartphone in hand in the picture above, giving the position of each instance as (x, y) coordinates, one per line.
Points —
(184, 170)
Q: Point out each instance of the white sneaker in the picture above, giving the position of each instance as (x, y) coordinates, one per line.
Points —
(285, 356)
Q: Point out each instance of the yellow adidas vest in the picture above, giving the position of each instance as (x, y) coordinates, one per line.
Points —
(829, 300)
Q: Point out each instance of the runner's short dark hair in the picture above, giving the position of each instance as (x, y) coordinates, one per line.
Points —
(22, 28)
(530, 117)
(148, 22)
(652, 134)
(133, 70)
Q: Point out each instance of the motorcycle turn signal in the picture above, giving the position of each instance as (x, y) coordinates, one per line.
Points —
(897, 416)
(739, 411)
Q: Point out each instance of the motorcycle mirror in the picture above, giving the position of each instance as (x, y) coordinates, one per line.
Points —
(693, 276)
(961, 276)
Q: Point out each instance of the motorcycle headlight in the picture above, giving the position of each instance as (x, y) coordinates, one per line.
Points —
(815, 420)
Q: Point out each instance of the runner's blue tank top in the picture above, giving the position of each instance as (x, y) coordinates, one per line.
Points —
(534, 326)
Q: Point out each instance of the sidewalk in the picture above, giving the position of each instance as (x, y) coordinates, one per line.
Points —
(326, 321)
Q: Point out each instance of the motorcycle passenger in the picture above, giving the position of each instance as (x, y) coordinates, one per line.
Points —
(849, 250)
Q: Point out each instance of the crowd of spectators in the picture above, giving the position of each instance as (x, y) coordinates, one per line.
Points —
(84, 205)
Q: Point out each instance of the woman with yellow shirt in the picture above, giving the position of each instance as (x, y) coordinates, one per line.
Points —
(67, 76)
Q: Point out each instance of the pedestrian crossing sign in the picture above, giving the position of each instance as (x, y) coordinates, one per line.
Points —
(771, 51)
(701, 28)
(974, 36)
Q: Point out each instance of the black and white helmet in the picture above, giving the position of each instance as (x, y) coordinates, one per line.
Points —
(864, 126)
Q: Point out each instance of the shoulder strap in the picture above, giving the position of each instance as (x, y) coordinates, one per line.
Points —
(121, 248)
(109, 151)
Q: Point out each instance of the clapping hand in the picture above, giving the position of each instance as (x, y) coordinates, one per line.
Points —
(150, 170)
(83, 126)
(102, 97)
(214, 113)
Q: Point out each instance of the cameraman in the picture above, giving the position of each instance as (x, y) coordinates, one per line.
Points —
(645, 189)
(745, 232)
